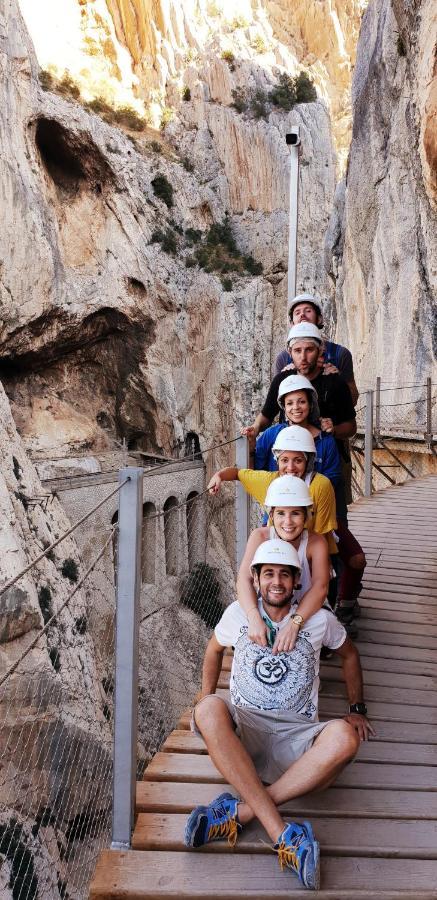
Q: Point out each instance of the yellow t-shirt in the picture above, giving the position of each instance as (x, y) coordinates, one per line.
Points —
(323, 520)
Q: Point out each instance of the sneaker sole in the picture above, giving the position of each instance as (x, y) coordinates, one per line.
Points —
(193, 819)
(192, 823)
(313, 883)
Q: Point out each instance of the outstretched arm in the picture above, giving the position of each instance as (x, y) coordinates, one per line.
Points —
(260, 424)
(246, 594)
(314, 598)
(353, 677)
(228, 474)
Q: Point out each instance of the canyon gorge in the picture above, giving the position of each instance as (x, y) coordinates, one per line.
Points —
(143, 266)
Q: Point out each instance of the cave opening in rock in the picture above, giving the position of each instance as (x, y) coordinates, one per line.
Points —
(59, 158)
(72, 160)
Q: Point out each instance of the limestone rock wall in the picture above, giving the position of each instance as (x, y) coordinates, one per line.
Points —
(382, 242)
(55, 740)
(105, 335)
(136, 52)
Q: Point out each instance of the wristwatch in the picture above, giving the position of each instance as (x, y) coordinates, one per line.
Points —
(297, 619)
(359, 708)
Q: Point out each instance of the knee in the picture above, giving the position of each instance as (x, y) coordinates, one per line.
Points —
(208, 711)
(358, 561)
(345, 740)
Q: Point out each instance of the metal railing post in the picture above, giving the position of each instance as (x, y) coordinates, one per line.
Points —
(126, 655)
(378, 409)
(368, 444)
(428, 434)
(242, 502)
(293, 141)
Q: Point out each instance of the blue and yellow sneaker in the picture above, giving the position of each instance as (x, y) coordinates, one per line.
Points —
(298, 850)
(210, 823)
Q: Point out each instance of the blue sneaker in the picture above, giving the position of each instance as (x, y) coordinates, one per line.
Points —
(210, 823)
(298, 850)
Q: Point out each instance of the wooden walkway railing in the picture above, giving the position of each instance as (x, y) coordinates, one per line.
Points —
(378, 825)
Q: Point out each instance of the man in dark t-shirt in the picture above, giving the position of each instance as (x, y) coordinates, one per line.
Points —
(336, 358)
(337, 413)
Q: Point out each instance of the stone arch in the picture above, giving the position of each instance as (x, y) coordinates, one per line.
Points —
(192, 445)
(171, 535)
(148, 545)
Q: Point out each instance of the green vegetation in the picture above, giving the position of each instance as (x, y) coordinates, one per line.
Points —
(186, 94)
(22, 880)
(166, 238)
(201, 593)
(238, 22)
(70, 569)
(402, 50)
(193, 235)
(219, 252)
(290, 91)
(227, 284)
(118, 115)
(163, 189)
(155, 146)
(240, 100)
(258, 43)
(229, 57)
(167, 116)
(45, 603)
(81, 624)
(55, 658)
(17, 468)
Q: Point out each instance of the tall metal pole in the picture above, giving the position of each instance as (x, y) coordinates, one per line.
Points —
(378, 409)
(368, 444)
(242, 502)
(293, 141)
(428, 435)
(126, 655)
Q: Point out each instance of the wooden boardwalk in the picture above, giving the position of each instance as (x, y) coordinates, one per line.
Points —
(378, 825)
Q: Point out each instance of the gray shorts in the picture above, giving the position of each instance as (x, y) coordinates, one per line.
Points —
(272, 741)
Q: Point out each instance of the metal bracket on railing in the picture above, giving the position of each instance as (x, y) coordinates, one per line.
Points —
(126, 656)
(242, 502)
(368, 444)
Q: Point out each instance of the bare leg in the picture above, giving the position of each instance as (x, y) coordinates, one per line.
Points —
(333, 748)
(234, 763)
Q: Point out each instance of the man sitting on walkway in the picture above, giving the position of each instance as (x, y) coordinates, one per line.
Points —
(268, 731)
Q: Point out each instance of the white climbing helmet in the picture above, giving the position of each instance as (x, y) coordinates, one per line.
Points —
(293, 438)
(300, 298)
(302, 331)
(278, 552)
(287, 491)
(294, 383)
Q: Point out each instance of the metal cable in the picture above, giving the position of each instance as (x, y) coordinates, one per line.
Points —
(55, 615)
(60, 539)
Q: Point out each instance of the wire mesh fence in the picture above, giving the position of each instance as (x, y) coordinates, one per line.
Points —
(56, 746)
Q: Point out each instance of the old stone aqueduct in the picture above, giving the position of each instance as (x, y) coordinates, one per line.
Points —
(144, 179)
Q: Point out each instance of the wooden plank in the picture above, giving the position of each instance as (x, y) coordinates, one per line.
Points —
(182, 797)
(386, 651)
(405, 666)
(378, 612)
(380, 692)
(329, 673)
(397, 596)
(195, 768)
(398, 638)
(139, 875)
(413, 838)
(180, 741)
(393, 607)
(386, 584)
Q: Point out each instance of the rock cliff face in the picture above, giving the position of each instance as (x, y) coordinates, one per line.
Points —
(106, 335)
(382, 242)
(137, 52)
(52, 709)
